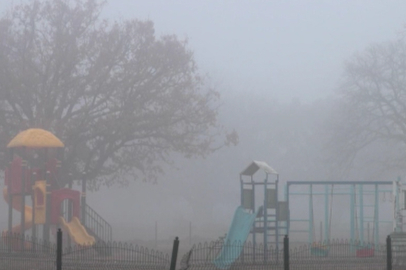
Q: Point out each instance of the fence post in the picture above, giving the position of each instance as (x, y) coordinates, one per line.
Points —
(174, 253)
(59, 250)
(388, 253)
(286, 253)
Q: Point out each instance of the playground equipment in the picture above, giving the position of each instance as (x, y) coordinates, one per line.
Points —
(269, 223)
(268, 220)
(363, 198)
(318, 248)
(33, 170)
(237, 234)
(274, 218)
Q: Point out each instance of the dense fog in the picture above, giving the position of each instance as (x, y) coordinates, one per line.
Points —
(279, 67)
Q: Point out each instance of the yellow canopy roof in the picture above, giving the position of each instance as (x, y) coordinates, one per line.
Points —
(35, 138)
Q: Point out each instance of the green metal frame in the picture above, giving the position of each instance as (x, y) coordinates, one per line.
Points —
(354, 186)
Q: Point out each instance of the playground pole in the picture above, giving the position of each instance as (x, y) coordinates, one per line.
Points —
(310, 214)
(368, 239)
(10, 199)
(70, 209)
(276, 214)
(10, 204)
(254, 238)
(396, 200)
(10, 213)
(352, 214)
(287, 200)
(376, 218)
(83, 199)
(326, 221)
(321, 231)
(190, 233)
(69, 204)
(361, 214)
(34, 227)
(156, 234)
(47, 207)
(242, 191)
(23, 170)
(266, 218)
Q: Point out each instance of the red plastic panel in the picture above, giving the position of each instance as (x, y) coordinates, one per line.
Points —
(13, 177)
(58, 196)
(15, 174)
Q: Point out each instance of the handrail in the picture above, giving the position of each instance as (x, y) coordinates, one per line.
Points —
(100, 227)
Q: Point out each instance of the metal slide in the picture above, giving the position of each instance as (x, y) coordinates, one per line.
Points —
(77, 232)
(235, 239)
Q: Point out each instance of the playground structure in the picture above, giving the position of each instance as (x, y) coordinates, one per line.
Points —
(264, 220)
(273, 214)
(368, 201)
(34, 170)
(271, 218)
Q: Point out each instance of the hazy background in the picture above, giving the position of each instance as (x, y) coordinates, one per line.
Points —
(275, 64)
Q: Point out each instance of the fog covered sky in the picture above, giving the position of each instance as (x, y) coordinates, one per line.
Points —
(279, 49)
(283, 49)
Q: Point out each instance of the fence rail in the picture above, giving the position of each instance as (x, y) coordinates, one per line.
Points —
(17, 252)
(36, 254)
(335, 254)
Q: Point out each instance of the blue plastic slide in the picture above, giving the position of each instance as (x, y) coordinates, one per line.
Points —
(235, 239)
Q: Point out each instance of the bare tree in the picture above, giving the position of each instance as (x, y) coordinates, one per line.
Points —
(371, 109)
(121, 99)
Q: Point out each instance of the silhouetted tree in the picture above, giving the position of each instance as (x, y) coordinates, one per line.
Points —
(121, 99)
(369, 121)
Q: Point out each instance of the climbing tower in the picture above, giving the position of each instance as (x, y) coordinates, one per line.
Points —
(270, 223)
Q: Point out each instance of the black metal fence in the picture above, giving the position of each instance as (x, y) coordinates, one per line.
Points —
(327, 255)
(27, 253)
(17, 253)
(338, 255)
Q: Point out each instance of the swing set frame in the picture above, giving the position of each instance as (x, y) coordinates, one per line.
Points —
(355, 190)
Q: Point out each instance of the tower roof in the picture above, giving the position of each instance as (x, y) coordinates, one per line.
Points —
(35, 138)
(258, 165)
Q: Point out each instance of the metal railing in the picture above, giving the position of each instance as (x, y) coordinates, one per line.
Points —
(38, 254)
(334, 254)
(97, 226)
(18, 252)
